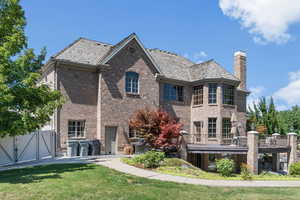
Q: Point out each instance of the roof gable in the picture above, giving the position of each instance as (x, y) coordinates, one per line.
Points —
(118, 47)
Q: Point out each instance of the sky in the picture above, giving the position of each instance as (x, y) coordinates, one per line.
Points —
(267, 30)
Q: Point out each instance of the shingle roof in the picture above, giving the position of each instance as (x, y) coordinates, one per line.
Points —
(210, 70)
(85, 51)
(171, 65)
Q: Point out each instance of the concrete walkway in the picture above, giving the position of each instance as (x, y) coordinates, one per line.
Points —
(116, 164)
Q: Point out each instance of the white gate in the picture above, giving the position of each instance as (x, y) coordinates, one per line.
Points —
(32, 147)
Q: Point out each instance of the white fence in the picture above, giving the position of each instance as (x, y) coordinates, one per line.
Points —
(31, 147)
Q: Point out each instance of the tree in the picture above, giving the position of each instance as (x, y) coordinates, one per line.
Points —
(25, 105)
(157, 128)
(264, 114)
(289, 120)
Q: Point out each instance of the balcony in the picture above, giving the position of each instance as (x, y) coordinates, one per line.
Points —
(264, 141)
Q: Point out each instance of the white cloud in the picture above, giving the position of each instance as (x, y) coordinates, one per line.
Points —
(256, 94)
(291, 93)
(196, 57)
(267, 20)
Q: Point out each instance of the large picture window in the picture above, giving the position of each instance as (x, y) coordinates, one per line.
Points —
(212, 127)
(198, 95)
(132, 82)
(173, 92)
(76, 128)
(226, 132)
(228, 94)
(212, 93)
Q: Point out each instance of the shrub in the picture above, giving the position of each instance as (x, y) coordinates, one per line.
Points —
(150, 159)
(245, 172)
(294, 169)
(158, 129)
(225, 166)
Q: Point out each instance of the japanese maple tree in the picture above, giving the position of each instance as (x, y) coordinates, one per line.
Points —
(157, 127)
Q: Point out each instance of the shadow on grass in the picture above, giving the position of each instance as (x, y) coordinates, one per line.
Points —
(38, 173)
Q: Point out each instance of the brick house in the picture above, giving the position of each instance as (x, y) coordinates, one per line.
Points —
(105, 84)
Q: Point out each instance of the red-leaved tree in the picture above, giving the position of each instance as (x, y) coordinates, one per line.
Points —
(157, 128)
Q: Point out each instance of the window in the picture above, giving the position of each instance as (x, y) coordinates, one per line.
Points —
(198, 127)
(173, 92)
(212, 127)
(212, 93)
(132, 133)
(228, 94)
(226, 132)
(132, 82)
(76, 128)
(198, 95)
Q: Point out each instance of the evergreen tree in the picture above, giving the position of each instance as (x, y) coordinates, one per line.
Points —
(25, 105)
(264, 114)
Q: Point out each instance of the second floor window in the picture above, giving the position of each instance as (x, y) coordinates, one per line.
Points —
(226, 132)
(212, 93)
(228, 94)
(212, 127)
(173, 92)
(198, 95)
(132, 82)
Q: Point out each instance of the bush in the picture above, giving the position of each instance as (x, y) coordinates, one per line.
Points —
(295, 169)
(245, 172)
(150, 159)
(225, 166)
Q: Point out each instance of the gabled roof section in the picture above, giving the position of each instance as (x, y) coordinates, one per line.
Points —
(210, 70)
(84, 51)
(118, 47)
(169, 65)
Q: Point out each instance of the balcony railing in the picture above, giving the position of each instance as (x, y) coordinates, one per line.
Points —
(225, 140)
(264, 141)
(273, 141)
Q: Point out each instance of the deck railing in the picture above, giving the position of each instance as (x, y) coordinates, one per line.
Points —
(225, 140)
(273, 141)
(241, 141)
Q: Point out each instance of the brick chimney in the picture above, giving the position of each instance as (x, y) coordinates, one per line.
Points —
(240, 68)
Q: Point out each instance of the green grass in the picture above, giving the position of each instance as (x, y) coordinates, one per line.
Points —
(178, 167)
(89, 182)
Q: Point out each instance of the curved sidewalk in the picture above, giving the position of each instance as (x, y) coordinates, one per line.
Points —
(116, 164)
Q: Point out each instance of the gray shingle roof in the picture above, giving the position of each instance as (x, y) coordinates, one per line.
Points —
(84, 51)
(210, 70)
(171, 65)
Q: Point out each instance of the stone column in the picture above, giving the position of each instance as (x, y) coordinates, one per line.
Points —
(292, 138)
(252, 155)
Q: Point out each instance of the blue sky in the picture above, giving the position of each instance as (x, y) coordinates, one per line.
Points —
(269, 32)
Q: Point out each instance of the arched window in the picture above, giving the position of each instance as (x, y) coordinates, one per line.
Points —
(132, 82)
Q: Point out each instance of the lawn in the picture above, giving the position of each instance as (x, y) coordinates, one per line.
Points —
(89, 181)
(178, 167)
